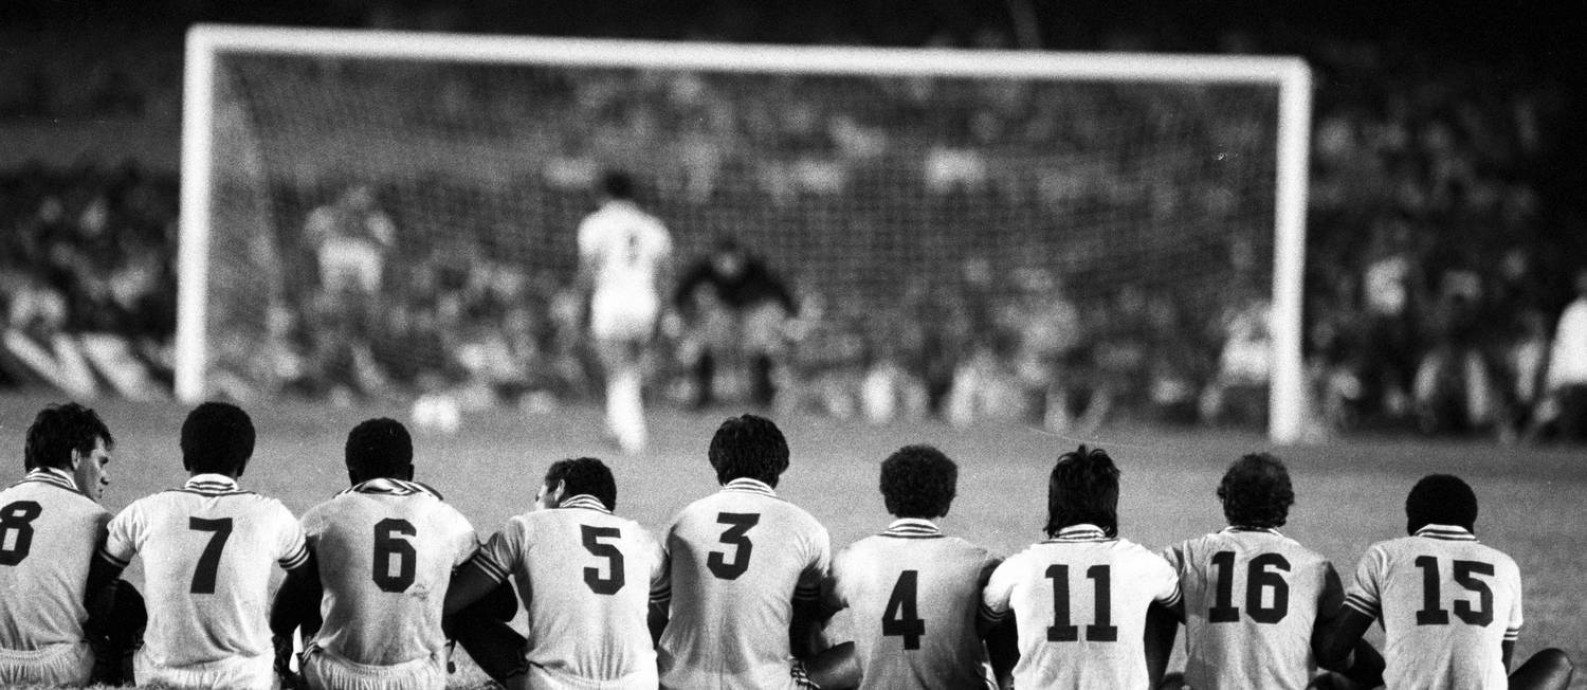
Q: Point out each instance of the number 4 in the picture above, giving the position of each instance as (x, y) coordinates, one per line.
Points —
(901, 618)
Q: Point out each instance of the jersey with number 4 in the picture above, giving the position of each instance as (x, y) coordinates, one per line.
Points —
(1252, 600)
(913, 595)
(48, 533)
(1447, 604)
(1080, 602)
(736, 562)
(208, 550)
(587, 577)
(386, 550)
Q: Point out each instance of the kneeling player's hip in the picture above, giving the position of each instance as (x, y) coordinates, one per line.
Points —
(324, 669)
(59, 664)
(242, 672)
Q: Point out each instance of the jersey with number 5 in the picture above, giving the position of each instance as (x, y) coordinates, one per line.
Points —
(1252, 600)
(586, 576)
(386, 550)
(48, 533)
(737, 560)
(208, 550)
(1447, 604)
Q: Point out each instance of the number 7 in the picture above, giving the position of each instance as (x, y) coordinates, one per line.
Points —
(209, 561)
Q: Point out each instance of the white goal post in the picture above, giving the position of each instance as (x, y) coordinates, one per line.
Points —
(210, 45)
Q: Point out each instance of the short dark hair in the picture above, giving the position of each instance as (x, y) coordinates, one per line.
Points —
(1256, 492)
(379, 447)
(60, 429)
(1440, 499)
(748, 447)
(584, 476)
(918, 482)
(617, 185)
(1083, 490)
(217, 438)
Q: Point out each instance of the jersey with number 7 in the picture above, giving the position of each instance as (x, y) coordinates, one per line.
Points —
(736, 561)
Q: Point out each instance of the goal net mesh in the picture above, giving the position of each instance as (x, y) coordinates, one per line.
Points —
(914, 215)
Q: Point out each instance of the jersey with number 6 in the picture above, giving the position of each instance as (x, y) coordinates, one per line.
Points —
(1447, 604)
(1080, 602)
(737, 560)
(1252, 601)
(48, 533)
(208, 550)
(587, 577)
(386, 550)
(913, 595)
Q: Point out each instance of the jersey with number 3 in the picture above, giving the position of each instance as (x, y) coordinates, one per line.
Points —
(386, 550)
(1447, 604)
(48, 533)
(736, 562)
(586, 576)
(208, 550)
(1080, 602)
(1252, 600)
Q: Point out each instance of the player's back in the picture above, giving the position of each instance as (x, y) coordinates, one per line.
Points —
(1252, 599)
(386, 550)
(1080, 602)
(48, 534)
(913, 596)
(1447, 604)
(738, 559)
(586, 575)
(626, 247)
(208, 551)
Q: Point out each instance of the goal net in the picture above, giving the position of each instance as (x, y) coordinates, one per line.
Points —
(375, 211)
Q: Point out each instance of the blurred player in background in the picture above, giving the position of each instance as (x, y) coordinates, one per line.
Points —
(625, 257)
(1254, 599)
(207, 550)
(1450, 606)
(53, 630)
(744, 571)
(1080, 599)
(736, 310)
(351, 237)
(586, 579)
(913, 593)
(386, 549)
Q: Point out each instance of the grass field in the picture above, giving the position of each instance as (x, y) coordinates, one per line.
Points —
(1350, 492)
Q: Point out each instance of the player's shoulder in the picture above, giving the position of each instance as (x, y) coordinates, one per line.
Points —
(55, 495)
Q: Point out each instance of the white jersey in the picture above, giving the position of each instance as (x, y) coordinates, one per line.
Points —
(625, 250)
(1079, 600)
(386, 550)
(48, 533)
(208, 549)
(1252, 601)
(587, 577)
(1447, 604)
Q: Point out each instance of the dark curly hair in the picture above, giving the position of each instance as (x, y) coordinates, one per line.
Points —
(1256, 492)
(57, 431)
(1083, 490)
(379, 447)
(1441, 499)
(584, 476)
(217, 438)
(748, 447)
(919, 482)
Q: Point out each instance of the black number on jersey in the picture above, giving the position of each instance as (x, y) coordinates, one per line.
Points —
(389, 546)
(614, 559)
(901, 617)
(209, 561)
(737, 535)
(1465, 573)
(1257, 578)
(1062, 630)
(17, 518)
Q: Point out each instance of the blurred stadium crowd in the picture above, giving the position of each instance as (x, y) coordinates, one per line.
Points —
(1444, 241)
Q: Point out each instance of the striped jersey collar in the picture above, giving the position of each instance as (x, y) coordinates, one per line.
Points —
(1446, 533)
(1264, 530)
(390, 487)
(912, 527)
(584, 501)
(51, 475)
(211, 484)
(754, 486)
(1079, 533)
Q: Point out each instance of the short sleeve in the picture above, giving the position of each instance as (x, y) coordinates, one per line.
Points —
(1165, 581)
(501, 553)
(314, 523)
(1332, 595)
(1512, 631)
(465, 540)
(817, 564)
(123, 535)
(660, 581)
(292, 549)
(1365, 595)
(833, 598)
(1175, 555)
(587, 237)
(999, 590)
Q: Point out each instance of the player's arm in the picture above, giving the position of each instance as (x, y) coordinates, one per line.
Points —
(473, 582)
(1339, 646)
(1162, 626)
(996, 620)
(297, 605)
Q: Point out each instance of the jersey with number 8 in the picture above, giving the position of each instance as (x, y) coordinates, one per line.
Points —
(48, 533)
(386, 550)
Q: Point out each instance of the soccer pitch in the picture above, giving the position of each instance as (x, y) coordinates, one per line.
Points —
(1349, 493)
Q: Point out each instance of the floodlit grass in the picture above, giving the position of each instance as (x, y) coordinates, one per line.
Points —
(1350, 492)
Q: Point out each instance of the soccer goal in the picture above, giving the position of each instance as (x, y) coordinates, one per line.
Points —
(444, 175)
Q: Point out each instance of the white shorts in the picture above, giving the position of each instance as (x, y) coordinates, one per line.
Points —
(61, 664)
(239, 673)
(624, 315)
(326, 671)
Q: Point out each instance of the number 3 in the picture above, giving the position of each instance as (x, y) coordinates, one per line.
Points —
(736, 534)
